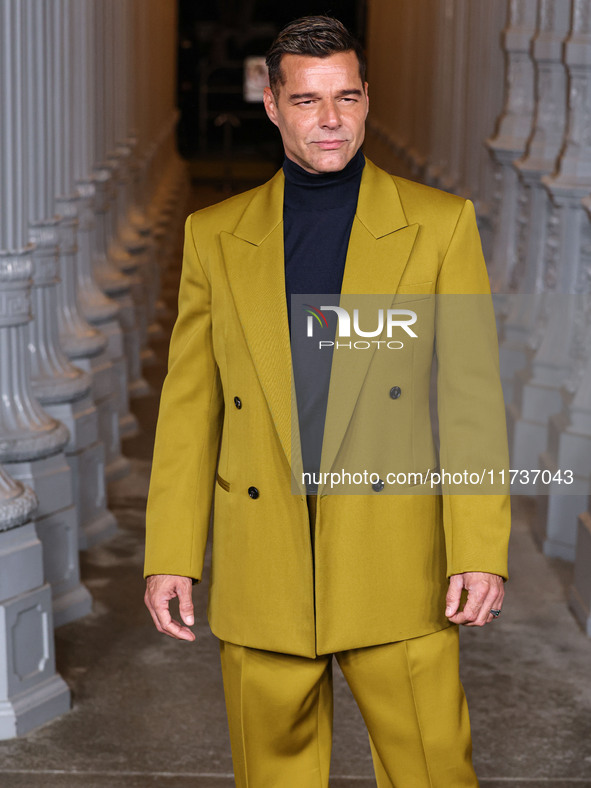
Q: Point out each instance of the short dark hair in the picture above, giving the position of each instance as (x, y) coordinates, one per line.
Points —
(315, 36)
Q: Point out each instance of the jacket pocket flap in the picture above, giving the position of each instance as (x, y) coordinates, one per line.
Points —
(412, 291)
(222, 482)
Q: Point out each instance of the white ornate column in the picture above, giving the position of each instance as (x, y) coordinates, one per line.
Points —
(100, 310)
(535, 208)
(133, 241)
(62, 388)
(168, 173)
(140, 190)
(494, 22)
(510, 142)
(82, 343)
(118, 153)
(457, 108)
(109, 256)
(477, 85)
(31, 441)
(484, 71)
(441, 117)
(560, 362)
(423, 39)
(31, 692)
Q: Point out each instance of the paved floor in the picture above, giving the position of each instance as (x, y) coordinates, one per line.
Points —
(149, 711)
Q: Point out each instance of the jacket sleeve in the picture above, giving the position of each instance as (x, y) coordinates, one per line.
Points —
(187, 433)
(471, 411)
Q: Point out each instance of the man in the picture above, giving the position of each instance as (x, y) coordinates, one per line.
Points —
(373, 579)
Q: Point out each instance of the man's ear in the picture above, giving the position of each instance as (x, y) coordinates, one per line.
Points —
(366, 96)
(270, 106)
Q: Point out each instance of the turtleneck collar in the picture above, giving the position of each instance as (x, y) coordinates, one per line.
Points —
(321, 191)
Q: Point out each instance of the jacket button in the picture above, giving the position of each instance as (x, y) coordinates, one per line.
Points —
(253, 492)
(378, 486)
(395, 392)
(238, 402)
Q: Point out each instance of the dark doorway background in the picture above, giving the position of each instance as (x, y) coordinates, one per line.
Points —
(218, 131)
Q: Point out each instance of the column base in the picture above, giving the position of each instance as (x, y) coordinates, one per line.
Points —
(34, 708)
(139, 388)
(116, 353)
(558, 524)
(31, 693)
(568, 450)
(131, 342)
(99, 530)
(155, 332)
(88, 477)
(527, 440)
(164, 313)
(21, 561)
(117, 469)
(148, 357)
(512, 359)
(579, 597)
(58, 533)
(104, 392)
(71, 605)
(128, 426)
(56, 524)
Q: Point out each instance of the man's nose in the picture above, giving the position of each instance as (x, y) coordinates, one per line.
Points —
(330, 117)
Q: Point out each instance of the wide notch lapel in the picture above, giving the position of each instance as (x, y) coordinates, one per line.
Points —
(379, 249)
(254, 260)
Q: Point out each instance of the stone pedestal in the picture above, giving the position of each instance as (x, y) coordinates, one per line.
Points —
(521, 316)
(580, 592)
(56, 524)
(31, 693)
(569, 447)
(538, 395)
(104, 395)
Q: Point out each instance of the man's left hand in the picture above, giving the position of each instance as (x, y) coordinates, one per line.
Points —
(485, 593)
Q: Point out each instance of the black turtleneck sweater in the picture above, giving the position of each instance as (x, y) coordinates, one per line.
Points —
(318, 213)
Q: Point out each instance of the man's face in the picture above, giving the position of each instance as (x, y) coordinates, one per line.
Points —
(320, 110)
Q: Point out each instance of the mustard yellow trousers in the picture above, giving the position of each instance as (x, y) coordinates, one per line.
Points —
(280, 711)
(280, 714)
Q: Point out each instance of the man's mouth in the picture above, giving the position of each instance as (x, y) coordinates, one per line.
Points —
(329, 144)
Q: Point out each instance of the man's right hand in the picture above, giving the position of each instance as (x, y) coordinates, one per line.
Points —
(160, 589)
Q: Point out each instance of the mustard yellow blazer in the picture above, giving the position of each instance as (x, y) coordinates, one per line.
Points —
(378, 569)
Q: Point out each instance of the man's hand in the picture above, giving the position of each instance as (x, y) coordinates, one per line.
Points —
(160, 589)
(485, 592)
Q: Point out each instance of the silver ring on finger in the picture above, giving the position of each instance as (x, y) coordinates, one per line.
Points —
(495, 613)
